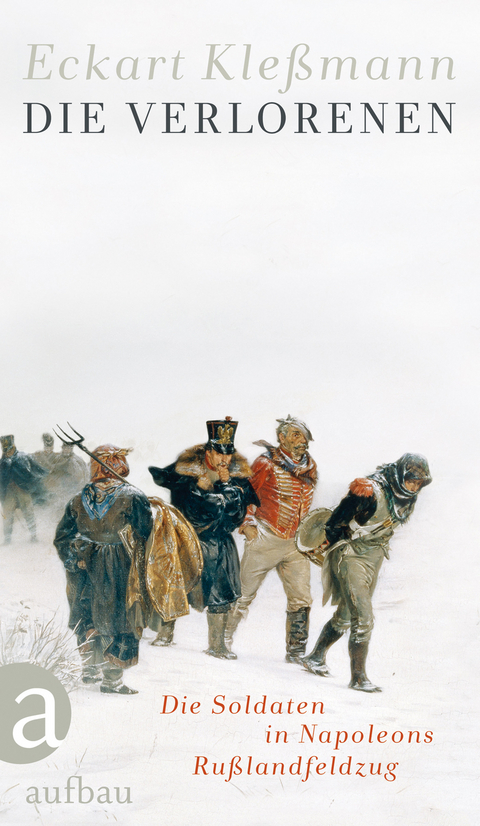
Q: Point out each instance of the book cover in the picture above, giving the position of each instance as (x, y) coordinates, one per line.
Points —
(248, 210)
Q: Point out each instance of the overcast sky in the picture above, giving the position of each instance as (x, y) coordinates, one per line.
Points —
(153, 281)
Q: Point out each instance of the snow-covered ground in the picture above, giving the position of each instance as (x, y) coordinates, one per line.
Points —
(424, 653)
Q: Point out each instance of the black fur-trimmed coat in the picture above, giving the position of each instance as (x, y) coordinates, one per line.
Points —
(214, 513)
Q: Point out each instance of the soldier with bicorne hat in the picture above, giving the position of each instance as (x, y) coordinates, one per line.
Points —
(210, 485)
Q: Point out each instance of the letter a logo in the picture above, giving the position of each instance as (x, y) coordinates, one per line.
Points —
(36, 713)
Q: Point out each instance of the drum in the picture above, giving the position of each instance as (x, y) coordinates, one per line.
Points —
(311, 534)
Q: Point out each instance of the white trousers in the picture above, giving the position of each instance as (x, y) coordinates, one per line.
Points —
(270, 551)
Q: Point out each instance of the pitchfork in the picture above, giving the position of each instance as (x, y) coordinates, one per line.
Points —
(79, 443)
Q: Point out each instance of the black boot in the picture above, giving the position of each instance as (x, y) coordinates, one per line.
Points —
(358, 657)
(216, 637)
(165, 635)
(315, 662)
(297, 634)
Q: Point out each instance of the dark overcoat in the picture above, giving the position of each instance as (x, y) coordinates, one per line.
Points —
(23, 470)
(89, 531)
(214, 513)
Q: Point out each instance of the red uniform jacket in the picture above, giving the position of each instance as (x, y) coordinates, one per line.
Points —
(285, 490)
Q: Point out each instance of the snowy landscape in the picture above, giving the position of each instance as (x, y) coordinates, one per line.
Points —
(424, 654)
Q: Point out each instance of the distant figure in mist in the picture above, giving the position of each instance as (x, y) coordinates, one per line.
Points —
(68, 475)
(21, 486)
(46, 457)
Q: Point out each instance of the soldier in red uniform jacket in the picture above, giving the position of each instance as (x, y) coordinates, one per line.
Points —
(284, 479)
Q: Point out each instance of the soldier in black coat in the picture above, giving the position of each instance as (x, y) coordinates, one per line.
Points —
(210, 485)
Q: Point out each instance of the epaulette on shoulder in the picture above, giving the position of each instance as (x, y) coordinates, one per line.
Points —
(361, 487)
